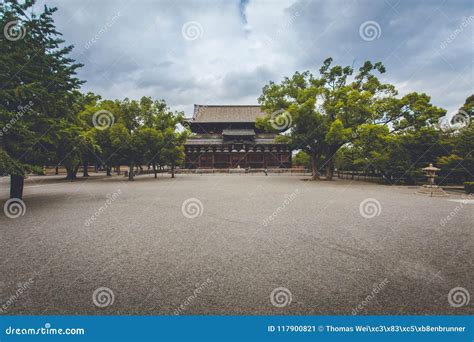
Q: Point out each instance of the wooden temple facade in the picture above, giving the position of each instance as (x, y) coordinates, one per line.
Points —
(226, 137)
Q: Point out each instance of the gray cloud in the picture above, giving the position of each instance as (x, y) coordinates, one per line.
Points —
(237, 85)
(136, 48)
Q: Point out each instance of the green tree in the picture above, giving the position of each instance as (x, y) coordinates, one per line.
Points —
(325, 110)
(293, 103)
(35, 72)
(357, 111)
(302, 159)
(348, 104)
(103, 152)
(144, 132)
(465, 116)
(172, 153)
(151, 140)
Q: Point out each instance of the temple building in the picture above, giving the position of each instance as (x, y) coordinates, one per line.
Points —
(226, 137)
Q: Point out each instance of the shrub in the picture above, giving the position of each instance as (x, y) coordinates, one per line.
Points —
(469, 187)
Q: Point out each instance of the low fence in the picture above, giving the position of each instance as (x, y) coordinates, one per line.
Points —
(124, 171)
(244, 171)
(355, 175)
(61, 170)
(146, 172)
(379, 178)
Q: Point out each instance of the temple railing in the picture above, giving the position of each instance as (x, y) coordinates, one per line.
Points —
(246, 171)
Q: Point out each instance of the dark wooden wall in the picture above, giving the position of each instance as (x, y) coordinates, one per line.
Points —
(225, 160)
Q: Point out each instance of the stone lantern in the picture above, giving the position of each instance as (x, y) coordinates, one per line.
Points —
(430, 172)
(431, 188)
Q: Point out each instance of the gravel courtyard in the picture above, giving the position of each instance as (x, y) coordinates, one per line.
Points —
(234, 244)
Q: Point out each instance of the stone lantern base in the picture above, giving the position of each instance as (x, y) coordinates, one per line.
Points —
(432, 191)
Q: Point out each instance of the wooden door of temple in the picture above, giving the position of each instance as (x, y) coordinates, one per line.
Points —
(237, 160)
(206, 161)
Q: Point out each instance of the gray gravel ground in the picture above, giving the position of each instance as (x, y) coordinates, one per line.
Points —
(253, 234)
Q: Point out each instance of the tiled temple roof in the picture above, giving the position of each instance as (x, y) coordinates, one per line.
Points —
(226, 113)
(219, 141)
(238, 132)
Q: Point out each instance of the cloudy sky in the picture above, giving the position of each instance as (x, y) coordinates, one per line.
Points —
(224, 52)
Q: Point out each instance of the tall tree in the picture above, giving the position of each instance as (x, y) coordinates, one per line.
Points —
(325, 110)
(331, 110)
(97, 118)
(292, 107)
(35, 73)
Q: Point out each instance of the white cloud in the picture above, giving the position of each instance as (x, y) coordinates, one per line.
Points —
(244, 45)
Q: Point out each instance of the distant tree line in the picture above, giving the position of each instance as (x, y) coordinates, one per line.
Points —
(399, 156)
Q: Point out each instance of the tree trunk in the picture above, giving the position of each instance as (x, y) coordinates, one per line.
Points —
(56, 170)
(330, 169)
(108, 170)
(154, 170)
(118, 170)
(70, 174)
(85, 172)
(75, 170)
(172, 170)
(330, 164)
(16, 186)
(314, 167)
(130, 173)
